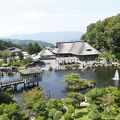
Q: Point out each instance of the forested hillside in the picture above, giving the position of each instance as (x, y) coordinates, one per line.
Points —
(4, 45)
(26, 42)
(105, 35)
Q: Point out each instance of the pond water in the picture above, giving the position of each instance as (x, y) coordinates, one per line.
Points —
(52, 80)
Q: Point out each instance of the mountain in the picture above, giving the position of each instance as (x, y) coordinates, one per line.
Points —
(4, 45)
(51, 37)
(26, 42)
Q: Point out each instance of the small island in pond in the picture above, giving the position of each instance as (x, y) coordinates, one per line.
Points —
(74, 82)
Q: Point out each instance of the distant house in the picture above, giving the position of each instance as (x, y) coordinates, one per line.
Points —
(26, 54)
(80, 49)
(12, 50)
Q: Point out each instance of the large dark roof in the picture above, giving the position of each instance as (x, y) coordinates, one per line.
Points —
(75, 48)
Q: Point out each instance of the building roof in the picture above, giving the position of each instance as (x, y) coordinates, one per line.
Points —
(12, 50)
(45, 52)
(31, 70)
(36, 58)
(75, 48)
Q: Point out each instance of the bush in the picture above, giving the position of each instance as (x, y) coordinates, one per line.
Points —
(117, 117)
(94, 115)
(40, 118)
(51, 112)
(49, 119)
(5, 98)
(76, 66)
(92, 82)
(57, 115)
(25, 117)
(92, 107)
(95, 63)
(67, 116)
(50, 68)
(9, 89)
(70, 109)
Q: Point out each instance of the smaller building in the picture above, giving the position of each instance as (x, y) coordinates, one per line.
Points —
(26, 54)
(12, 50)
(46, 54)
(31, 74)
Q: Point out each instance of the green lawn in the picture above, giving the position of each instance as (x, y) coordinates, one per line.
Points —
(1, 60)
(80, 114)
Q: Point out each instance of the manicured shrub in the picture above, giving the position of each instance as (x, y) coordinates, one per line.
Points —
(117, 117)
(57, 115)
(40, 118)
(9, 89)
(94, 115)
(76, 66)
(51, 112)
(67, 116)
(92, 107)
(49, 119)
(70, 109)
(25, 117)
(92, 82)
(50, 68)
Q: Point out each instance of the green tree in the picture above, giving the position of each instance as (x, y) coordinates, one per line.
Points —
(5, 98)
(58, 114)
(37, 48)
(104, 35)
(76, 97)
(56, 104)
(75, 82)
(67, 116)
(71, 109)
(94, 115)
(20, 55)
(95, 95)
(36, 95)
(10, 112)
(51, 112)
(30, 48)
(33, 49)
(107, 102)
(40, 109)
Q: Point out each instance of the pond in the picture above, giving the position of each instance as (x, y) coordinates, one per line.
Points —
(52, 80)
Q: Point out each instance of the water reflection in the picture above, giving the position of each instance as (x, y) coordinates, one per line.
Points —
(116, 83)
(52, 80)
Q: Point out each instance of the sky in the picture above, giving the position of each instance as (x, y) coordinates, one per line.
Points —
(33, 16)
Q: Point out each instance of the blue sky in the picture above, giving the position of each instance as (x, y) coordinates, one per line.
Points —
(32, 16)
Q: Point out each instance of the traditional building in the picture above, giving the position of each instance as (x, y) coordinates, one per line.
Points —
(46, 54)
(12, 50)
(80, 49)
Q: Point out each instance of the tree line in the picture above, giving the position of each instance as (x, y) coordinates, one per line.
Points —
(105, 35)
(33, 48)
(30, 48)
(4, 45)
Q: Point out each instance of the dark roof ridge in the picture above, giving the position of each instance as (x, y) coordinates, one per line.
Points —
(71, 41)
